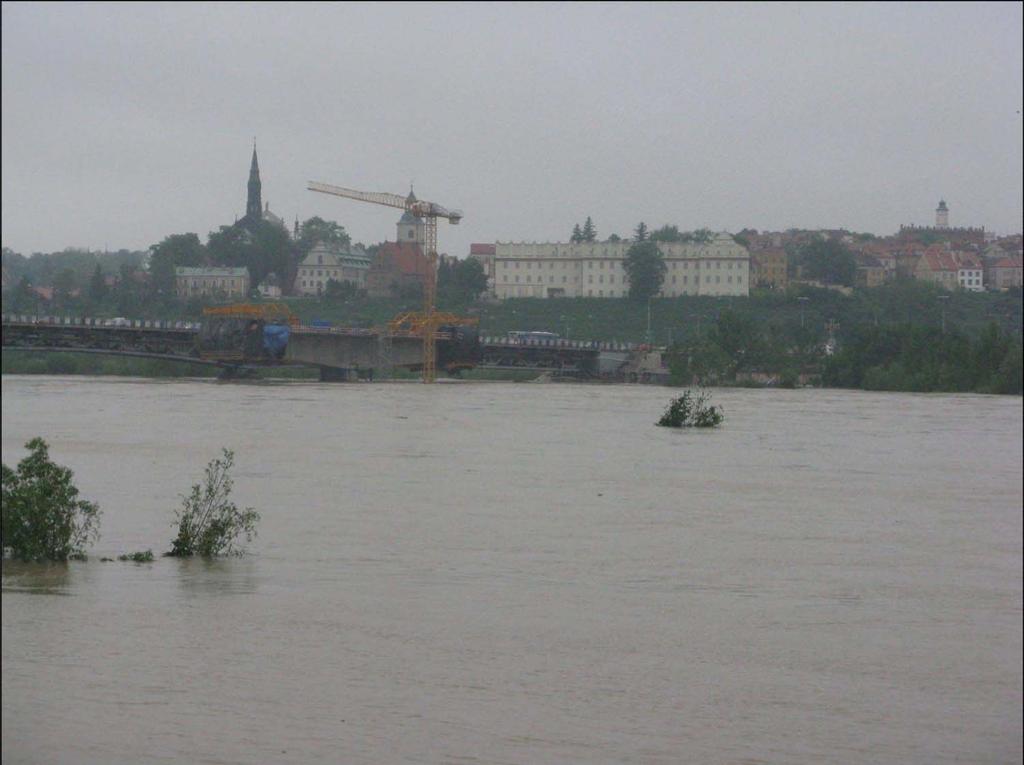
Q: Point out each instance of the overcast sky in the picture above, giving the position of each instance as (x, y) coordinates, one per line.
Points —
(123, 123)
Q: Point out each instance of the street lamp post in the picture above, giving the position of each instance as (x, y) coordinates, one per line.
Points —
(649, 320)
(943, 299)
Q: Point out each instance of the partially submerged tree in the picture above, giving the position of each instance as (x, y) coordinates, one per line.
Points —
(43, 519)
(209, 523)
(692, 410)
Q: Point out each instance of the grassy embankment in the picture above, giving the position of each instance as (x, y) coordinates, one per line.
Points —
(673, 319)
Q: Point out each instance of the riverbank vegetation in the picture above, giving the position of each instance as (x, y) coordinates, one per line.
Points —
(43, 518)
(926, 359)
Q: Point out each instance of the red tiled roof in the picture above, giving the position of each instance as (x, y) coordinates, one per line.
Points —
(481, 249)
(938, 261)
(402, 257)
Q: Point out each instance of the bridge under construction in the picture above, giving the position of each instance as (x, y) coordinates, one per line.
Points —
(239, 343)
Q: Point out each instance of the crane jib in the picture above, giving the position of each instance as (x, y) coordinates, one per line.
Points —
(431, 212)
(421, 208)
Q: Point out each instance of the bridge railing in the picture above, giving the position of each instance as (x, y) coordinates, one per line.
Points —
(89, 321)
(582, 345)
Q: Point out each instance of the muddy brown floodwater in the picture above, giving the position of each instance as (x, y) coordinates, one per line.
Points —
(502, 573)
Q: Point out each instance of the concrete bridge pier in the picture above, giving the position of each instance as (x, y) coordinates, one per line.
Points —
(342, 357)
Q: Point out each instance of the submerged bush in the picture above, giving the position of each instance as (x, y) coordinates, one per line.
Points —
(138, 557)
(43, 519)
(692, 410)
(208, 522)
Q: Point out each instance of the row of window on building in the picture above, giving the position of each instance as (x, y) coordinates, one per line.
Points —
(671, 265)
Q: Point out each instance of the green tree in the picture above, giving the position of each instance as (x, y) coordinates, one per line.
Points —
(614, 238)
(262, 247)
(1010, 376)
(460, 282)
(828, 260)
(97, 285)
(43, 519)
(645, 269)
(14, 263)
(175, 251)
(577, 234)
(317, 229)
(129, 293)
(589, 232)
(741, 340)
(63, 285)
(23, 298)
(640, 232)
(666, 234)
(209, 523)
(699, 360)
(340, 290)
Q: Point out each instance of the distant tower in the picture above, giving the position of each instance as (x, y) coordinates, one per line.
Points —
(942, 215)
(411, 227)
(253, 207)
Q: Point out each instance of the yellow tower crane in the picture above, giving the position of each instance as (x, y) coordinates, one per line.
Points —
(427, 323)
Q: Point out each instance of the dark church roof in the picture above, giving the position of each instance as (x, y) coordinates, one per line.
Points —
(253, 206)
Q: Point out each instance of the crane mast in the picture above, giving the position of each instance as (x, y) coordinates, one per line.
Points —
(428, 323)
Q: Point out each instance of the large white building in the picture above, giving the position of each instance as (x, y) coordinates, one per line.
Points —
(596, 269)
(227, 282)
(325, 262)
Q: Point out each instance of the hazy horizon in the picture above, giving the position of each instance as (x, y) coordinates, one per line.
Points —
(123, 124)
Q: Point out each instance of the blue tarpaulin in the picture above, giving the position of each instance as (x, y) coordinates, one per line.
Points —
(275, 339)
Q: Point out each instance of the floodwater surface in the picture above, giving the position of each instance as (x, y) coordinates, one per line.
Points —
(524, 573)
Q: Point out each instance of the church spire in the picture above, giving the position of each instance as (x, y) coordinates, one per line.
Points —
(253, 207)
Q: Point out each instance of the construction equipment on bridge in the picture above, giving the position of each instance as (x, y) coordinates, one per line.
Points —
(430, 320)
(415, 323)
(245, 331)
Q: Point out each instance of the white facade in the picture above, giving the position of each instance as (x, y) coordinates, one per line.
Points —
(970, 277)
(324, 263)
(597, 269)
